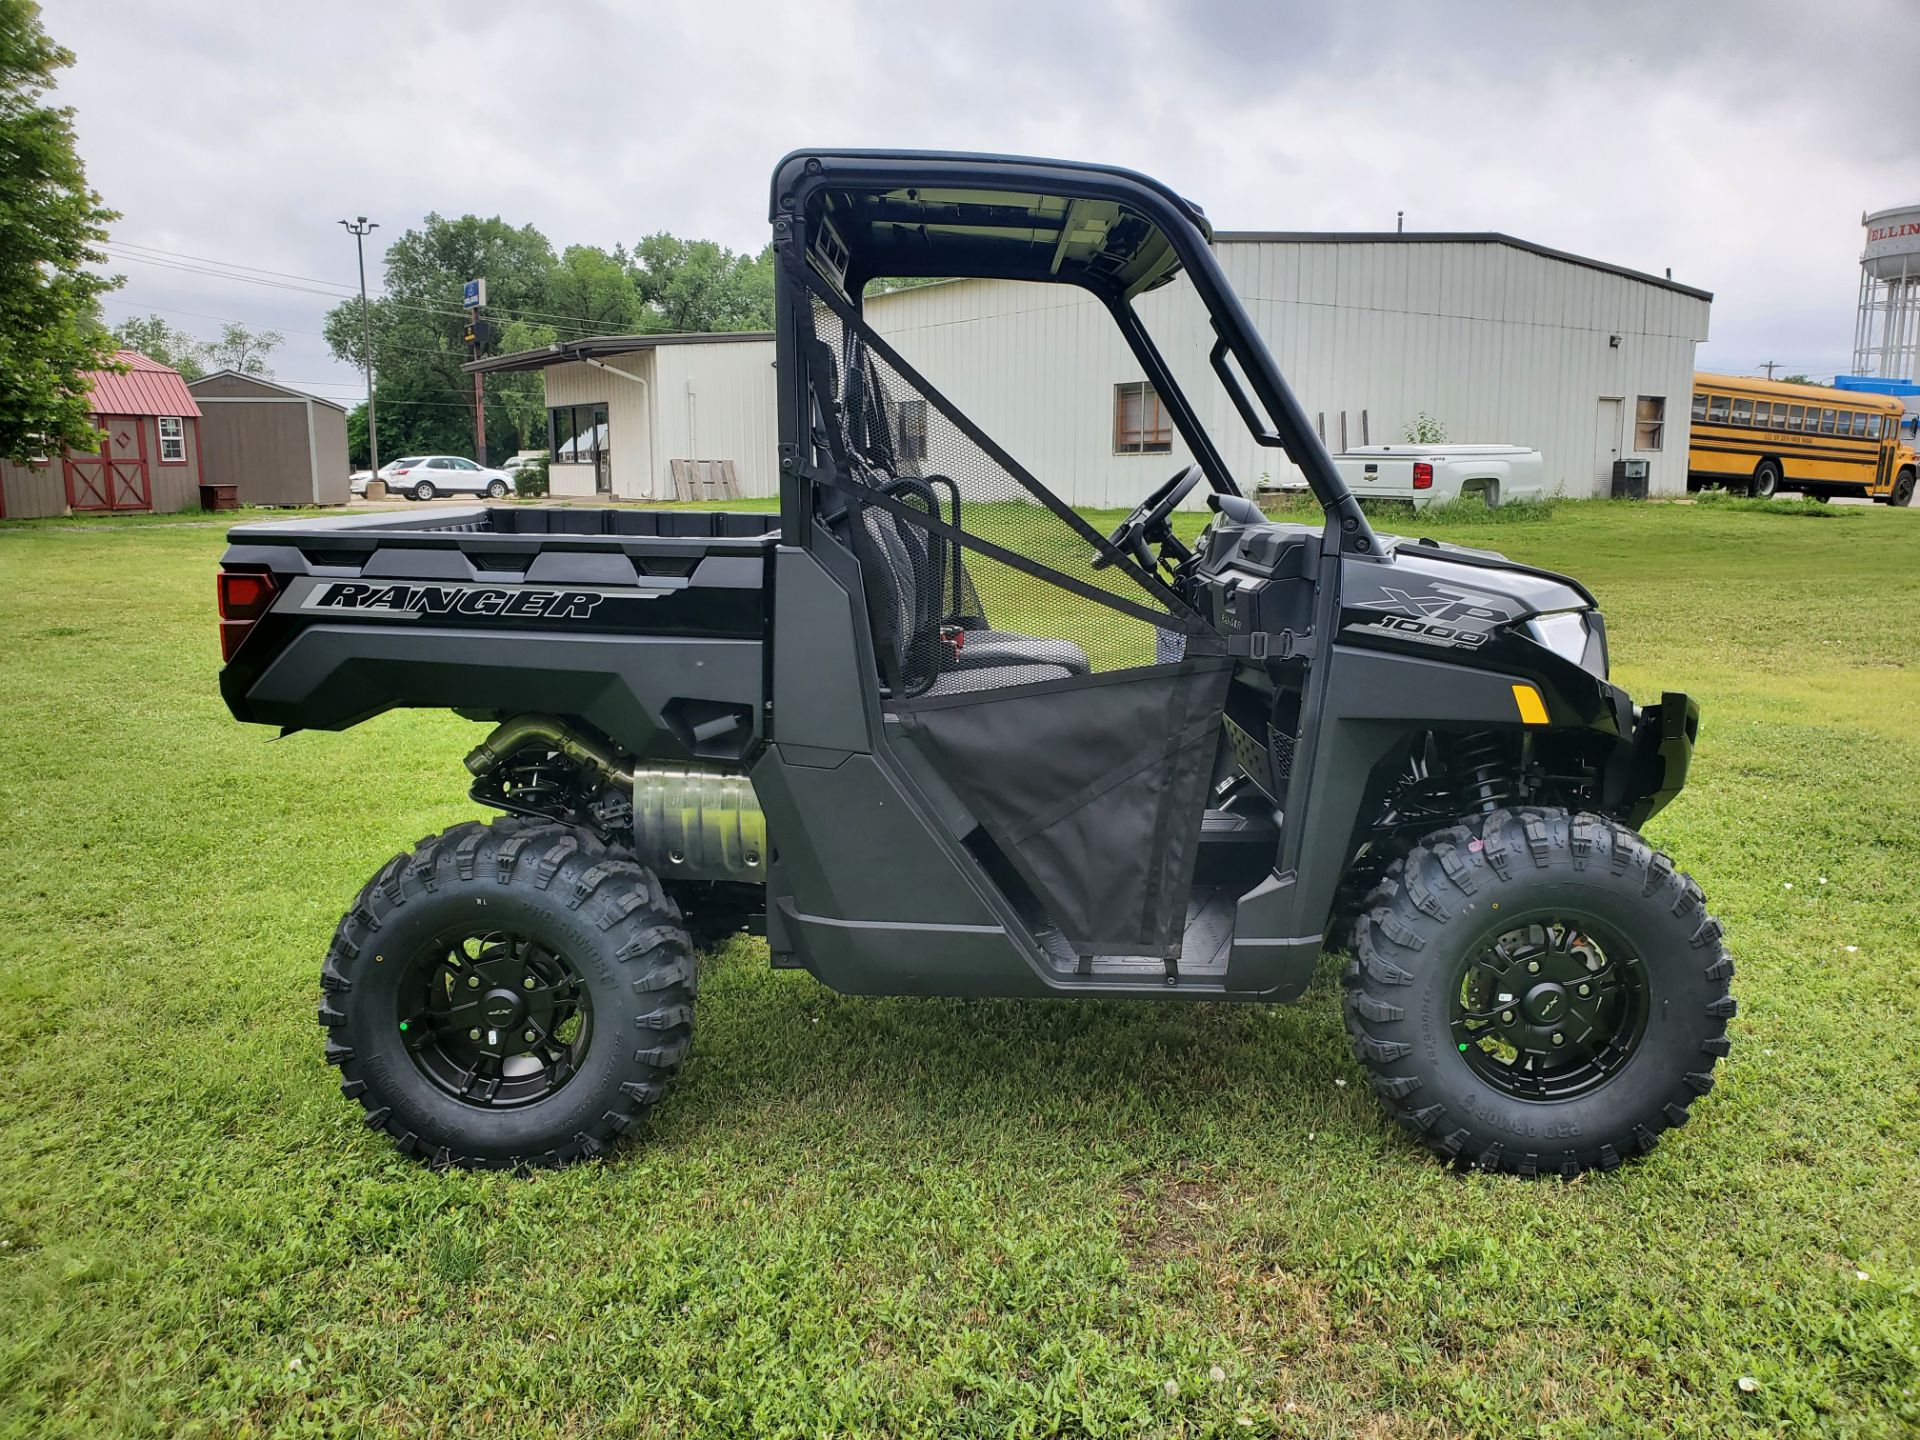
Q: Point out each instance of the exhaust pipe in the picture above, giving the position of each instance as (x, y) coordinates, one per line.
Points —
(689, 822)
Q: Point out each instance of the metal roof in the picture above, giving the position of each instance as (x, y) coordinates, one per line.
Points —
(147, 388)
(264, 384)
(599, 347)
(1445, 237)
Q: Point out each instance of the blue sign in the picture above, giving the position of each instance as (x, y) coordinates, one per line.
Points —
(474, 295)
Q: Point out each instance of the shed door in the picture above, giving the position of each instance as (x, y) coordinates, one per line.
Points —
(116, 478)
(1606, 444)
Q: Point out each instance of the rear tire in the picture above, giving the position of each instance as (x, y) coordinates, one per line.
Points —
(1902, 489)
(497, 489)
(1501, 1092)
(1766, 480)
(424, 490)
(569, 941)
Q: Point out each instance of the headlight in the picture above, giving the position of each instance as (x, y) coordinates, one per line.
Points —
(1578, 636)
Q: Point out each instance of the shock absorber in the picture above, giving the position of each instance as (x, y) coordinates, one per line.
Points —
(1483, 770)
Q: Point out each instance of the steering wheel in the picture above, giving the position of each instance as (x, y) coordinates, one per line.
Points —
(1147, 525)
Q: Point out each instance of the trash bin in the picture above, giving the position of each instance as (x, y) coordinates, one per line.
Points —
(1629, 479)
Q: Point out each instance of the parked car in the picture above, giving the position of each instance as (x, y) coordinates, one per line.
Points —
(357, 483)
(422, 477)
(516, 463)
(1441, 474)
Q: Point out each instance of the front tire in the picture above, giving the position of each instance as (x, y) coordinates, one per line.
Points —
(508, 996)
(424, 490)
(1536, 991)
(1902, 489)
(497, 489)
(1766, 480)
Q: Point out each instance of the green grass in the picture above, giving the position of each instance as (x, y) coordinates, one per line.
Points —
(931, 1217)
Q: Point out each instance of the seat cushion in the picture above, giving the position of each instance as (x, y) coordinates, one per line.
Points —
(986, 649)
(996, 677)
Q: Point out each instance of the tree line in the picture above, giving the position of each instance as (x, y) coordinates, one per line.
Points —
(535, 298)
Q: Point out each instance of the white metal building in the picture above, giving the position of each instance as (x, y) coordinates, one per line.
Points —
(1498, 340)
(622, 408)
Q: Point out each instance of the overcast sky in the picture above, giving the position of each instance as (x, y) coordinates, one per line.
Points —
(1737, 143)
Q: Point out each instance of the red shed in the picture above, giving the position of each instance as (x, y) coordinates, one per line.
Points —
(151, 459)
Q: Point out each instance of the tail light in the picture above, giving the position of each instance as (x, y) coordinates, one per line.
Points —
(400, 472)
(1422, 475)
(245, 596)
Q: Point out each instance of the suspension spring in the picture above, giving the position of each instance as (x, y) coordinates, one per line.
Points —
(1483, 766)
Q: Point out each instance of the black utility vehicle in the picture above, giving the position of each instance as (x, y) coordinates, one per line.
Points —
(938, 736)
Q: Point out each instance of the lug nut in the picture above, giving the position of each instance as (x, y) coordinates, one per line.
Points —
(1506, 1017)
(473, 982)
(473, 1034)
(1533, 967)
(528, 982)
(532, 1036)
(1558, 1038)
(1586, 989)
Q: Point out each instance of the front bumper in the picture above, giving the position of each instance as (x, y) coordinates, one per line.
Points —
(1663, 739)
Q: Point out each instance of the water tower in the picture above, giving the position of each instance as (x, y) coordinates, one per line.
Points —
(1886, 332)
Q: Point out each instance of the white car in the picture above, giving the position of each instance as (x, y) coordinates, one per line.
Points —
(421, 477)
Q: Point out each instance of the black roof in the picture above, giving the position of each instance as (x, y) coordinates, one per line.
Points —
(1447, 237)
(599, 347)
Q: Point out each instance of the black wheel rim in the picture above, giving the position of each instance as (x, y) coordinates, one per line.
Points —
(1550, 1006)
(496, 1019)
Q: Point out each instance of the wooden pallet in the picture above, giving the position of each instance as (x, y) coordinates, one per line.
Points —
(704, 480)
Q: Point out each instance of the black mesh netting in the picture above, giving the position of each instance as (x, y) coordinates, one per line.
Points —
(1073, 707)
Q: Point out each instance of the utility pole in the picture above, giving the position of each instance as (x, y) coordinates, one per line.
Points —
(1399, 222)
(358, 227)
(1769, 366)
(474, 300)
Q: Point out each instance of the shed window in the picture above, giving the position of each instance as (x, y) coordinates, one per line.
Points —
(1140, 425)
(578, 433)
(1717, 414)
(173, 440)
(1649, 422)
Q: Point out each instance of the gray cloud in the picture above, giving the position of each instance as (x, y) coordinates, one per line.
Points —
(1736, 142)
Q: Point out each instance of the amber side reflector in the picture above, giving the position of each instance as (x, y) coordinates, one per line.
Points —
(244, 596)
(1533, 710)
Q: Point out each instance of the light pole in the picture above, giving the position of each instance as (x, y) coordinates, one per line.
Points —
(358, 227)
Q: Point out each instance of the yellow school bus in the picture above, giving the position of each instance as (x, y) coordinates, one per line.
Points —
(1764, 435)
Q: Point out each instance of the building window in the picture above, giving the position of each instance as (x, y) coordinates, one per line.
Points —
(577, 434)
(910, 429)
(1140, 425)
(173, 440)
(1649, 422)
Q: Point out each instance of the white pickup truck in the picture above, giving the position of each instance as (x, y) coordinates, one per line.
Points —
(1441, 474)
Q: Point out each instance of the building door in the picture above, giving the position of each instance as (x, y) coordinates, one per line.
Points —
(1606, 443)
(602, 452)
(116, 478)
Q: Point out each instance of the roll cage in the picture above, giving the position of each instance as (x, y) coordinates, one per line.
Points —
(855, 216)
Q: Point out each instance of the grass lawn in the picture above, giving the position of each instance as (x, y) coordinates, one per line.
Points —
(932, 1217)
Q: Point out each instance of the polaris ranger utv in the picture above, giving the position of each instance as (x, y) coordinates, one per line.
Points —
(939, 736)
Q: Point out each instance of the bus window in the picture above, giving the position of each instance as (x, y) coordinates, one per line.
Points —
(1859, 424)
(1873, 427)
(1699, 405)
(1762, 414)
(1779, 414)
(1826, 422)
(1743, 412)
(1717, 410)
(1793, 417)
